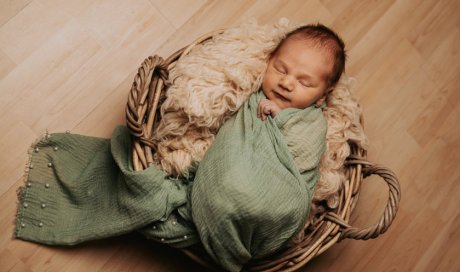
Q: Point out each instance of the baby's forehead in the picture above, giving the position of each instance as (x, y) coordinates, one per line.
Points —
(307, 42)
(301, 43)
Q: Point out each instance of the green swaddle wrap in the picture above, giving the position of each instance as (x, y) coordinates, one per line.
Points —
(249, 198)
(246, 201)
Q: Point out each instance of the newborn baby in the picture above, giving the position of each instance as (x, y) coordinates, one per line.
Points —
(260, 173)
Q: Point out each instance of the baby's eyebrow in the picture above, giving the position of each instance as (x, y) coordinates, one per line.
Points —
(279, 61)
(305, 76)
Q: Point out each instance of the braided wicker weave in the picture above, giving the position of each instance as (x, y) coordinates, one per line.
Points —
(331, 226)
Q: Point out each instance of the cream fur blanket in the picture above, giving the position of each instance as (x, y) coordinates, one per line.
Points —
(211, 83)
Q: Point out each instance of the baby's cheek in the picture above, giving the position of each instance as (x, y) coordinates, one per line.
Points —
(264, 88)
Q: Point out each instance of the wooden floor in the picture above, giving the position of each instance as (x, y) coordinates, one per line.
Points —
(68, 65)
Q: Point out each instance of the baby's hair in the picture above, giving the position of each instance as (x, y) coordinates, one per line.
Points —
(326, 38)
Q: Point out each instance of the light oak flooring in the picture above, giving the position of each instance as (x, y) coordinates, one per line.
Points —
(68, 65)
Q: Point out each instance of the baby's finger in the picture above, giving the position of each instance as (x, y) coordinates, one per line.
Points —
(266, 110)
(260, 109)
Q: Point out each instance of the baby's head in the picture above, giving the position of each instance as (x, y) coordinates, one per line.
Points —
(305, 65)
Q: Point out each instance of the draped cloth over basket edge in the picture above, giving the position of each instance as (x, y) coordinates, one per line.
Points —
(85, 189)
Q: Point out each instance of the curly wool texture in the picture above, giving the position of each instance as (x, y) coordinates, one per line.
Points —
(210, 84)
(343, 115)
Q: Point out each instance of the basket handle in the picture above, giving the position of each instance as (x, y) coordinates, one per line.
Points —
(139, 99)
(390, 210)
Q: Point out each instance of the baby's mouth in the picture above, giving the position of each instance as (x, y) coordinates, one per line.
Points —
(279, 96)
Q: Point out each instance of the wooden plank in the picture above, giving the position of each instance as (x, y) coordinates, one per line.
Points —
(32, 26)
(178, 12)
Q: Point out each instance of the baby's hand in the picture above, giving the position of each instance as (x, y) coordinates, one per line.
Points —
(267, 107)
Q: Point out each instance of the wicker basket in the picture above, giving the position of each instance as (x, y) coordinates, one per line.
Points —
(142, 113)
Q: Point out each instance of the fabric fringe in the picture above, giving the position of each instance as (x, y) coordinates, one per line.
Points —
(21, 191)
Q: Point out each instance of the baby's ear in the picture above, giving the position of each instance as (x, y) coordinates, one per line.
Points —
(321, 100)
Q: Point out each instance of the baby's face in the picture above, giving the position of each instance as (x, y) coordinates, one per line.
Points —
(296, 75)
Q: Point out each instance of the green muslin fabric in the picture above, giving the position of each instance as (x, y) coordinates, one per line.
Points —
(82, 188)
(251, 193)
(256, 198)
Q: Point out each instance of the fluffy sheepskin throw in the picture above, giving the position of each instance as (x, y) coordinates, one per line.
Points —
(212, 81)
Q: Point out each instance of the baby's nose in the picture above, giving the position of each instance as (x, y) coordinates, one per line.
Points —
(287, 82)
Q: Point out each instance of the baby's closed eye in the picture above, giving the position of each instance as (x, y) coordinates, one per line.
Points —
(306, 83)
(280, 69)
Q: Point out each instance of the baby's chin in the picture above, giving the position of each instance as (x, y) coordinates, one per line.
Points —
(281, 104)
